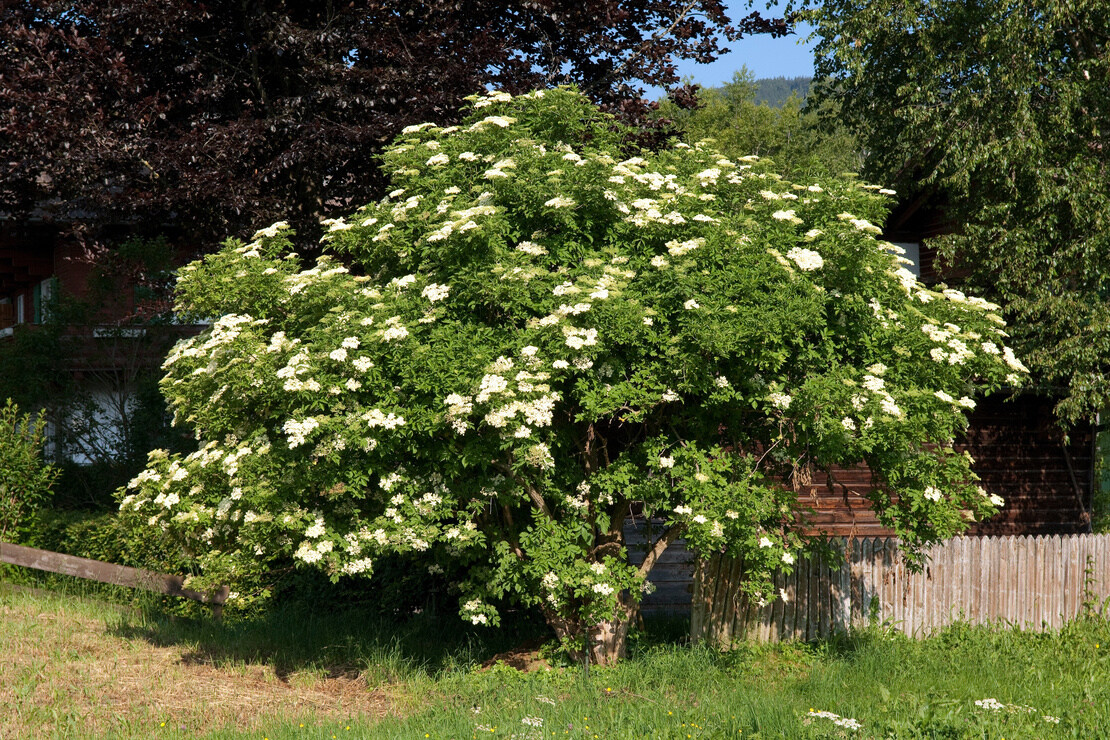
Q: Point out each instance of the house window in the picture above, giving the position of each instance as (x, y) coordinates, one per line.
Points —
(19, 313)
(43, 292)
(913, 254)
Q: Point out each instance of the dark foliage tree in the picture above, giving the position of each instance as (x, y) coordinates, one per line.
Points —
(999, 111)
(208, 118)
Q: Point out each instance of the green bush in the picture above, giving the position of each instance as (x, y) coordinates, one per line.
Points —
(540, 326)
(25, 478)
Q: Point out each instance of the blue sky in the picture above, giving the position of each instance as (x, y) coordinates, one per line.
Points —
(790, 56)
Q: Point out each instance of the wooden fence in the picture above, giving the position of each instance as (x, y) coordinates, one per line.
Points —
(1032, 582)
(119, 575)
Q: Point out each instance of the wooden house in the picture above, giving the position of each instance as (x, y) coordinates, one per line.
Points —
(104, 354)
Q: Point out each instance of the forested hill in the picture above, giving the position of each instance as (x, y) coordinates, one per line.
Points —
(774, 91)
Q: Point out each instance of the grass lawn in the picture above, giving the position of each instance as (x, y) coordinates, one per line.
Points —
(79, 667)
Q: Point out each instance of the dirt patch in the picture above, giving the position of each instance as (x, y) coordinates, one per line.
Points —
(64, 672)
(525, 657)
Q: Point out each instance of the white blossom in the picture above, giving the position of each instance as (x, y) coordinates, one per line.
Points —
(435, 292)
(780, 400)
(805, 259)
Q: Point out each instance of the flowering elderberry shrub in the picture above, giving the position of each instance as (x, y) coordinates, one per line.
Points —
(540, 326)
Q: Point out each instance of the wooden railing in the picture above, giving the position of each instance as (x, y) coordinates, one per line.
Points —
(119, 575)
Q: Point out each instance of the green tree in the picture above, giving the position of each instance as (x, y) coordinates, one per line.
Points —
(539, 327)
(998, 111)
(802, 143)
(25, 478)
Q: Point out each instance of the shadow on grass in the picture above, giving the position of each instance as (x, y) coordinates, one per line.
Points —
(331, 642)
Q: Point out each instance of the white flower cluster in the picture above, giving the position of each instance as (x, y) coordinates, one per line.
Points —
(786, 215)
(376, 418)
(393, 330)
(531, 248)
(435, 292)
(458, 408)
(361, 565)
(475, 611)
(298, 431)
(780, 400)
(312, 553)
(577, 338)
(677, 248)
(845, 722)
(860, 223)
(806, 259)
(270, 231)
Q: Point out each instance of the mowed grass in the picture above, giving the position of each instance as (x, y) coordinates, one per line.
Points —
(75, 667)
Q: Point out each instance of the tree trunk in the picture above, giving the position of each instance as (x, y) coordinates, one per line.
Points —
(604, 643)
(608, 641)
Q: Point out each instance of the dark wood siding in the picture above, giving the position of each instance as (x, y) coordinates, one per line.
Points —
(1019, 454)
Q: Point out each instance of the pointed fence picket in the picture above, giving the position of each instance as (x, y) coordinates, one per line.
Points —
(1032, 582)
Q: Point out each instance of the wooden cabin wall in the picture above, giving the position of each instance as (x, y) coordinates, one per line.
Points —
(1019, 454)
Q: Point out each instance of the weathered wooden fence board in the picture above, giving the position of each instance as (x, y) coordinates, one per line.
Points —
(1034, 582)
(119, 575)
